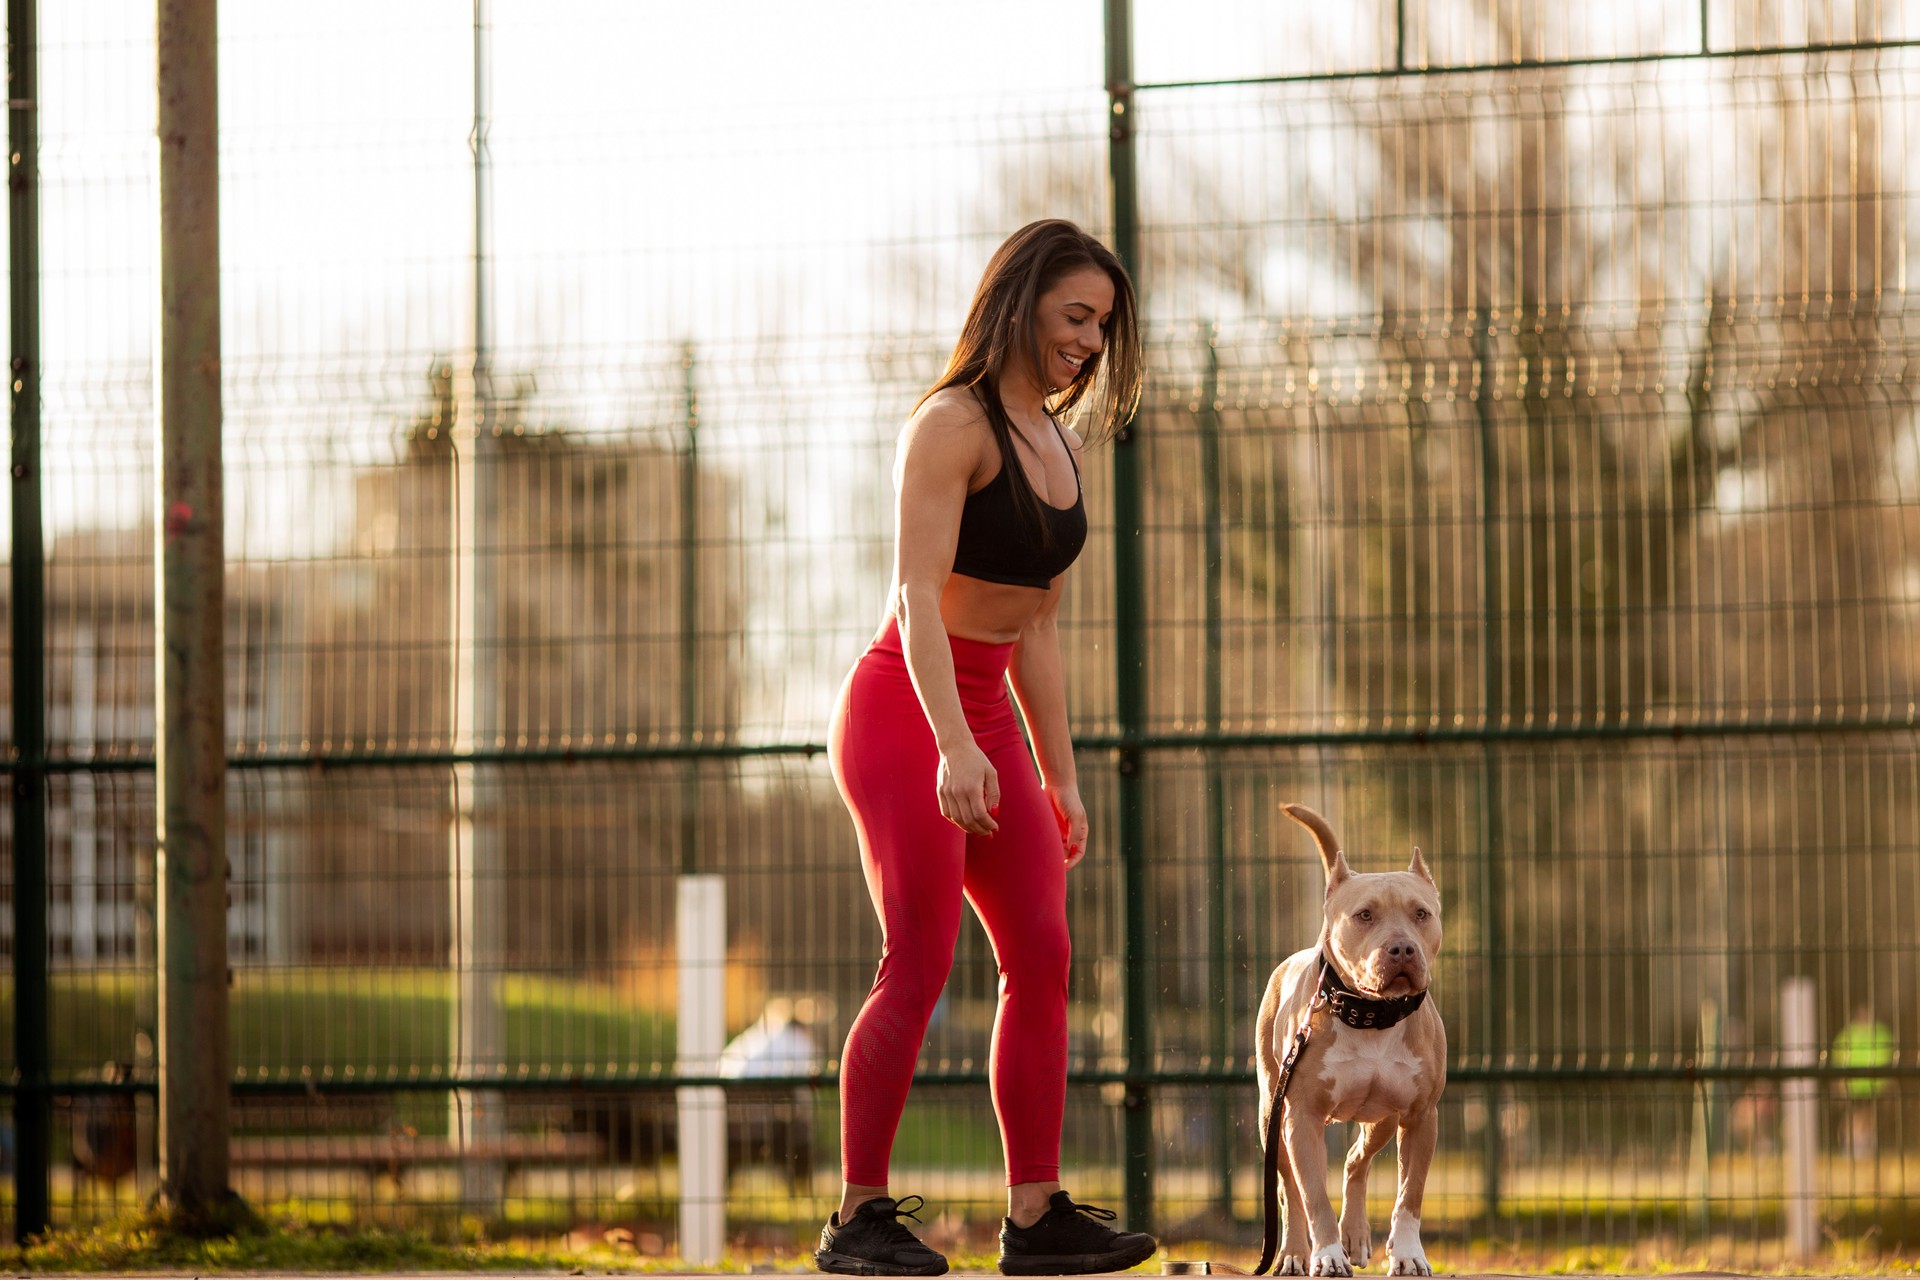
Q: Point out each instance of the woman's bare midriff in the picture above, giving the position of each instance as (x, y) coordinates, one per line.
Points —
(990, 612)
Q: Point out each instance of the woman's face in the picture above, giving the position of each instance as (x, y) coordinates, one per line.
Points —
(1068, 324)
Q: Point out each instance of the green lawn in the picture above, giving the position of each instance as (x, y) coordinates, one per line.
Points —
(361, 1024)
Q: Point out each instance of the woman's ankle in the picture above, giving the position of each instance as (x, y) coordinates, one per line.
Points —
(1028, 1202)
(852, 1197)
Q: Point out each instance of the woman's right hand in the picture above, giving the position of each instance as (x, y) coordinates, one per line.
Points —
(969, 790)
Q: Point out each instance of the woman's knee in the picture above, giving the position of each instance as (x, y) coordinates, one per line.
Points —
(1039, 962)
(913, 983)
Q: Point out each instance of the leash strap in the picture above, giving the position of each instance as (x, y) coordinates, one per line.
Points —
(1270, 1177)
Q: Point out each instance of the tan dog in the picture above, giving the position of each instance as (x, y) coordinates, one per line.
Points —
(1381, 936)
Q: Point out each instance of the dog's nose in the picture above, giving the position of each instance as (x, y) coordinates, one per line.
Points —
(1401, 949)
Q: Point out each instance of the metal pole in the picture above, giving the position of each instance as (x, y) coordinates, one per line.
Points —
(1219, 932)
(1492, 801)
(701, 933)
(32, 1107)
(690, 618)
(478, 1038)
(1130, 650)
(189, 648)
(700, 951)
(1800, 1117)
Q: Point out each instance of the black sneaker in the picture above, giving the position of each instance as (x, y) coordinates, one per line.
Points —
(875, 1242)
(1070, 1240)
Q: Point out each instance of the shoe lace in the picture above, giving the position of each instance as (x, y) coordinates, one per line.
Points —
(1092, 1211)
(906, 1207)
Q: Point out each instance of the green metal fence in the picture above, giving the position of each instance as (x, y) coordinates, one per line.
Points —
(1529, 470)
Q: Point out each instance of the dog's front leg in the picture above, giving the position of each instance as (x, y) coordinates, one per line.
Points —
(1295, 1246)
(1355, 1234)
(1306, 1137)
(1418, 1137)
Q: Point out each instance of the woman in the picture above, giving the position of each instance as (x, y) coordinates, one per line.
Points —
(931, 761)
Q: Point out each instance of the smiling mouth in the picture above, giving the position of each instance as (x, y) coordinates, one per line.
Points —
(1072, 363)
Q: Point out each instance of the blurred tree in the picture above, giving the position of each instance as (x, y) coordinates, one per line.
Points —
(586, 545)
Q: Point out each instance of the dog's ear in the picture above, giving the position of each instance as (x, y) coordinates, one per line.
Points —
(1330, 854)
(1419, 866)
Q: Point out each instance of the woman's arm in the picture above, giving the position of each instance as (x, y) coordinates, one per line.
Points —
(939, 453)
(1039, 683)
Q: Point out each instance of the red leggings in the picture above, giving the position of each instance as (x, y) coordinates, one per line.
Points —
(918, 867)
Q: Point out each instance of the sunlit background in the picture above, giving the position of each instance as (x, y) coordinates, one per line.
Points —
(1529, 470)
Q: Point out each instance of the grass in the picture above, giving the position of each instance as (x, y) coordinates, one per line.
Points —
(363, 1023)
(291, 1241)
(290, 1245)
(294, 1238)
(771, 1229)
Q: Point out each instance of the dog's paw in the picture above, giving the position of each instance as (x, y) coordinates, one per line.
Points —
(1405, 1256)
(1357, 1239)
(1331, 1260)
(1291, 1265)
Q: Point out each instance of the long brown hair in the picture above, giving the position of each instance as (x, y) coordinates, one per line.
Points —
(999, 328)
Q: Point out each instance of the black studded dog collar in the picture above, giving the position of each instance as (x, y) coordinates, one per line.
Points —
(1367, 1013)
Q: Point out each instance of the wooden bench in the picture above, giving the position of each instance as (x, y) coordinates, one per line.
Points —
(296, 1109)
(767, 1125)
(298, 1128)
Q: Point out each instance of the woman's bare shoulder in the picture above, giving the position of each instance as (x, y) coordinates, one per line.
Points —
(950, 408)
(949, 424)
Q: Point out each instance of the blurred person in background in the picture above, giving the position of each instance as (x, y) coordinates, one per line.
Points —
(1864, 1042)
(949, 799)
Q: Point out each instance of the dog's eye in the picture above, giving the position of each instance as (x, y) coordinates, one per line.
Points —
(1420, 913)
(1366, 914)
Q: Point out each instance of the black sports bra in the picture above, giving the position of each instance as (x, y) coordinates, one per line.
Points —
(996, 544)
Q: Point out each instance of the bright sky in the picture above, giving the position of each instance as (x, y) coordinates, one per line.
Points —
(619, 129)
(663, 171)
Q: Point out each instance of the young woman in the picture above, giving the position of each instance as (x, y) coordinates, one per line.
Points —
(930, 759)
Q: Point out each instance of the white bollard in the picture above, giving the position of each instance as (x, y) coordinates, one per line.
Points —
(1800, 1116)
(701, 941)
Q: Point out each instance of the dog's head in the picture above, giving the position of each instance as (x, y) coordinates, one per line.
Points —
(1382, 929)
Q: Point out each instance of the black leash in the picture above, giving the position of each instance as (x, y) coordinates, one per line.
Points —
(1365, 1013)
(1270, 1176)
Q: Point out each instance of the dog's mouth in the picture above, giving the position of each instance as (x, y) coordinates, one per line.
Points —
(1395, 982)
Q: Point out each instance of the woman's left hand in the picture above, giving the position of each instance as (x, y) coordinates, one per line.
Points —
(1072, 817)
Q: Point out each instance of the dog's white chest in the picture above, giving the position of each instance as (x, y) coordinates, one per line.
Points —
(1371, 1076)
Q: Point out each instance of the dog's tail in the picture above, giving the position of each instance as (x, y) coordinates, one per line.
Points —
(1270, 1191)
(1336, 862)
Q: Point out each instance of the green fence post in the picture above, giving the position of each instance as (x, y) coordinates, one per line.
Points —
(690, 617)
(1130, 648)
(1219, 934)
(1492, 627)
(32, 1107)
